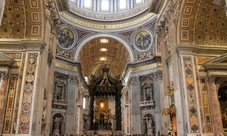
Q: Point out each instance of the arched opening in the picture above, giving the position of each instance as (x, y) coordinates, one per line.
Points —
(58, 124)
(148, 126)
(101, 51)
(222, 97)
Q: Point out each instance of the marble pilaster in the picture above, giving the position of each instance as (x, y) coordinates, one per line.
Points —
(3, 87)
(134, 108)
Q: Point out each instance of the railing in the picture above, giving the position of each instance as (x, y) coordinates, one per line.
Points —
(59, 104)
(145, 104)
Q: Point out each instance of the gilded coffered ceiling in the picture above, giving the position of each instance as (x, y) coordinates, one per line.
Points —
(95, 54)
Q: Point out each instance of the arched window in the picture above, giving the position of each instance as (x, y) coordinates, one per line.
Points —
(105, 5)
(122, 4)
(87, 3)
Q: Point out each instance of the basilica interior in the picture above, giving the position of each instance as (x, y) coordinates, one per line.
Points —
(119, 67)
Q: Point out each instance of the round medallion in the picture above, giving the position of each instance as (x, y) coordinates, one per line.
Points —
(66, 38)
(143, 41)
(29, 78)
(25, 118)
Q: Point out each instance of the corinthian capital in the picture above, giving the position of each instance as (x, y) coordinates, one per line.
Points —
(72, 79)
(4, 74)
(211, 78)
(134, 80)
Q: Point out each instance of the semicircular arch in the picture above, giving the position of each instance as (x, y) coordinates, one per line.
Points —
(118, 38)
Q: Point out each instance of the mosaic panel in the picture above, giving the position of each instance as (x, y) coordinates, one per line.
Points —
(27, 93)
(205, 104)
(10, 104)
(191, 94)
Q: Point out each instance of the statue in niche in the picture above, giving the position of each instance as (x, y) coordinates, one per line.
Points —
(57, 122)
(148, 93)
(150, 125)
(58, 93)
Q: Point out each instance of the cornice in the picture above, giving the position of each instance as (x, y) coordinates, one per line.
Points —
(25, 45)
(6, 60)
(218, 63)
(94, 25)
(155, 59)
(73, 64)
(184, 49)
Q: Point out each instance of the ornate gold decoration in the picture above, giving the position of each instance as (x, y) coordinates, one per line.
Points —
(102, 107)
(169, 111)
(170, 87)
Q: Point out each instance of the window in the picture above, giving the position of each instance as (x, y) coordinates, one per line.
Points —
(105, 5)
(138, 1)
(87, 3)
(84, 103)
(122, 4)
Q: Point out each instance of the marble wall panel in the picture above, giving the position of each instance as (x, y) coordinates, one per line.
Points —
(10, 103)
(17, 99)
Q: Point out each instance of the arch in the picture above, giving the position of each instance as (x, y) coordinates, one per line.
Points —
(220, 83)
(222, 99)
(90, 37)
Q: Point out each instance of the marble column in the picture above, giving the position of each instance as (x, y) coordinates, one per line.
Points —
(118, 109)
(91, 108)
(3, 87)
(218, 129)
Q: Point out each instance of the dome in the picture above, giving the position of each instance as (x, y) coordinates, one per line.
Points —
(108, 10)
(110, 15)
